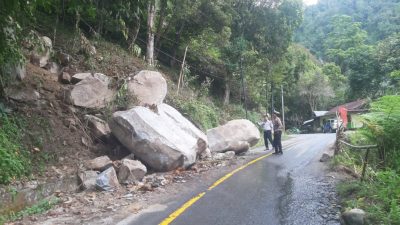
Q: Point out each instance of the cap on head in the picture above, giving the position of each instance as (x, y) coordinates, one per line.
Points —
(276, 112)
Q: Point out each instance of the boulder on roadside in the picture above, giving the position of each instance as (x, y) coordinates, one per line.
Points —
(224, 156)
(87, 179)
(158, 140)
(100, 163)
(131, 171)
(148, 88)
(107, 180)
(325, 157)
(98, 127)
(91, 93)
(236, 135)
(353, 217)
(206, 154)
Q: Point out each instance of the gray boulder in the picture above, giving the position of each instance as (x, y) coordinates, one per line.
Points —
(100, 163)
(26, 95)
(158, 140)
(80, 76)
(98, 127)
(131, 171)
(91, 93)
(107, 180)
(354, 217)
(53, 67)
(87, 179)
(224, 156)
(236, 135)
(148, 88)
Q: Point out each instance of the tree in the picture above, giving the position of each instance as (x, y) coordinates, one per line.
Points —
(151, 11)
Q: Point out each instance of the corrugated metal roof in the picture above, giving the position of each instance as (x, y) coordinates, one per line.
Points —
(351, 106)
(320, 113)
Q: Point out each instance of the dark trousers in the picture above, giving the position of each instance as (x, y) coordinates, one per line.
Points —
(277, 141)
(268, 137)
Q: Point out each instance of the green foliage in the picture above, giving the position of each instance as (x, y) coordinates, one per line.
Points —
(382, 128)
(380, 197)
(14, 161)
(205, 116)
(38, 208)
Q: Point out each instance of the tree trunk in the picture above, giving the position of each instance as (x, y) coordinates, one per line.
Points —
(227, 92)
(160, 24)
(150, 33)
(176, 44)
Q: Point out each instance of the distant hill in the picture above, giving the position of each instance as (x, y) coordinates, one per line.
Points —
(379, 18)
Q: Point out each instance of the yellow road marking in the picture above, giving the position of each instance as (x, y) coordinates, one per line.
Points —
(179, 211)
(189, 203)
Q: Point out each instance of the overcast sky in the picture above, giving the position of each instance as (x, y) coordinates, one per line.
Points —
(310, 2)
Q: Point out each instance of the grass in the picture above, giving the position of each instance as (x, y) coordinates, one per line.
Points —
(14, 159)
(38, 208)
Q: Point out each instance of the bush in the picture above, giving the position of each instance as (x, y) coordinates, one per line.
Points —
(14, 162)
(380, 197)
(205, 116)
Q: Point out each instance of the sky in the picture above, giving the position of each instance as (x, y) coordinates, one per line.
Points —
(310, 2)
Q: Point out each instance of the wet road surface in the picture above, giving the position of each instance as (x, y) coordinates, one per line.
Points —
(281, 189)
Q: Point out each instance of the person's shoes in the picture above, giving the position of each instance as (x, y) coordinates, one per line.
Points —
(281, 152)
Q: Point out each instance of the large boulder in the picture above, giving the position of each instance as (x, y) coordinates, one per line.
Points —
(163, 140)
(148, 88)
(236, 135)
(131, 171)
(92, 93)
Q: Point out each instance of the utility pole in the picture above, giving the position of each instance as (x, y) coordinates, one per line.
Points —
(272, 98)
(244, 94)
(283, 110)
(180, 79)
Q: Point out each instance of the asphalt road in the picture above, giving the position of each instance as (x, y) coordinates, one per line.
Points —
(281, 189)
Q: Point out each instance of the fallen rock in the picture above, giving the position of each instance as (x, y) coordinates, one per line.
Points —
(26, 95)
(65, 78)
(131, 171)
(224, 156)
(98, 127)
(87, 179)
(236, 135)
(206, 154)
(148, 88)
(80, 76)
(168, 112)
(155, 180)
(107, 180)
(158, 140)
(354, 217)
(100, 163)
(41, 58)
(64, 58)
(91, 93)
(325, 157)
(53, 67)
